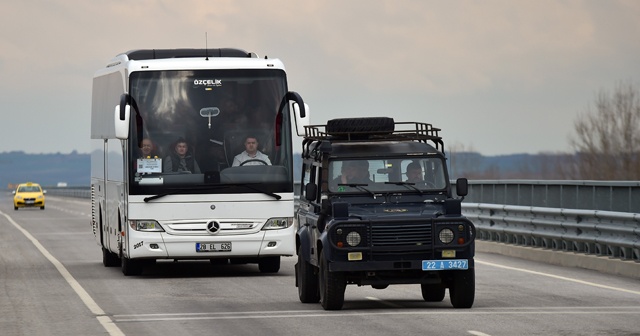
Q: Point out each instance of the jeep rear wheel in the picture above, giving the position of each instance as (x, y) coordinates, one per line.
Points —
(269, 264)
(370, 125)
(332, 286)
(432, 293)
(463, 288)
(306, 281)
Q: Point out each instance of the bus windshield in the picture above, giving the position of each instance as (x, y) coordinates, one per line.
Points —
(193, 131)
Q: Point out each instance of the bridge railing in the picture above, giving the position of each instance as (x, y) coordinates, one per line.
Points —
(591, 217)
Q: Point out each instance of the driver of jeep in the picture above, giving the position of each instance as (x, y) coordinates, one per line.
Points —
(251, 156)
(354, 172)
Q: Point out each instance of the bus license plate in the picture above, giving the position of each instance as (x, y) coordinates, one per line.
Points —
(213, 247)
(443, 265)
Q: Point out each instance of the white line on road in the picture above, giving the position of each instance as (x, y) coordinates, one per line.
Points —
(477, 333)
(104, 320)
(559, 277)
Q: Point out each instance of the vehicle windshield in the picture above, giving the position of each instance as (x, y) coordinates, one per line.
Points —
(209, 128)
(29, 189)
(383, 175)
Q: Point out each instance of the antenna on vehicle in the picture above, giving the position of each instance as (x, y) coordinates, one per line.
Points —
(206, 47)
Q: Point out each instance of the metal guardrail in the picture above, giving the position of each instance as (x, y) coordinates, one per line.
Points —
(525, 222)
(602, 233)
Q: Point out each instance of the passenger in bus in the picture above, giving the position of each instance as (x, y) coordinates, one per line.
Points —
(414, 172)
(180, 160)
(251, 156)
(147, 149)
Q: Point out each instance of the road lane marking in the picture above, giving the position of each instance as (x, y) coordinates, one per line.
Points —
(477, 333)
(387, 303)
(558, 277)
(88, 301)
(599, 311)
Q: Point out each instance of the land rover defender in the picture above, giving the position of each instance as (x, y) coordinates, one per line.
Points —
(377, 209)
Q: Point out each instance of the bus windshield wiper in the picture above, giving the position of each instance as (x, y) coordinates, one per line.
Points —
(174, 191)
(248, 185)
(409, 185)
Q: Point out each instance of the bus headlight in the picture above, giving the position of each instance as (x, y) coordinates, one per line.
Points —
(278, 223)
(146, 225)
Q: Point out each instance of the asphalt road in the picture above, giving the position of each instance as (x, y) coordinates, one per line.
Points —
(52, 282)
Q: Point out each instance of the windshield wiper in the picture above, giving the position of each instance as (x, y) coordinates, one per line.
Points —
(359, 186)
(274, 195)
(409, 185)
(174, 191)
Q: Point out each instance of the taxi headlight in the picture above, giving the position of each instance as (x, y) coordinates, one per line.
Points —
(353, 238)
(446, 235)
(146, 225)
(278, 223)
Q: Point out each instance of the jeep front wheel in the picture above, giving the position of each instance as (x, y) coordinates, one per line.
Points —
(332, 286)
(463, 289)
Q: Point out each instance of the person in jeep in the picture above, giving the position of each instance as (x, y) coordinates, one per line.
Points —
(356, 171)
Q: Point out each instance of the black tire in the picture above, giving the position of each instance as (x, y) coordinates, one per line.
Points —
(306, 280)
(432, 293)
(130, 266)
(269, 264)
(109, 259)
(332, 286)
(15, 208)
(42, 207)
(370, 125)
(463, 289)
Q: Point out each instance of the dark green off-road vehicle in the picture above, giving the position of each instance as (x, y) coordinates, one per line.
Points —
(377, 209)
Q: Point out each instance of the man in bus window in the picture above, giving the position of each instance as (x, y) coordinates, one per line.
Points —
(147, 150)
(251, 156)
(180, 160)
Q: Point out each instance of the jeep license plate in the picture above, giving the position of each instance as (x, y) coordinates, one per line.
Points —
(443, 265)
(213, 247)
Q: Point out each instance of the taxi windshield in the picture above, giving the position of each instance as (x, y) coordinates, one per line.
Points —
(29, 189)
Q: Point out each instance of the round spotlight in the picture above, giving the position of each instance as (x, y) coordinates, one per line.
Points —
(446, 236)
(353, 238)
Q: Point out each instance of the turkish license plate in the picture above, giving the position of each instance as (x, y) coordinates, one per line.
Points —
(213, 247)
(443, 265)
(29, 202)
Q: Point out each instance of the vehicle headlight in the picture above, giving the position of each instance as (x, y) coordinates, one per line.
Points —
(446, 235)
(18, 197)
(40, 196)
(353, 238)
(146, 225)
(278, 223)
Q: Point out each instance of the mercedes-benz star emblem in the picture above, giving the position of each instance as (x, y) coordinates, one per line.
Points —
(213, 227)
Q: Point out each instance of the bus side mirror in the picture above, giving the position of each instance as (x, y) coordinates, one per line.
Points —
(462, 187)
(122, 125)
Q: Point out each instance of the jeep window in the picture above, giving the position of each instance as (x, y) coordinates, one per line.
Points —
(374, 173)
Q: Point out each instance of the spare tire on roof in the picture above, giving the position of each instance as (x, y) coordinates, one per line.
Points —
(368, 125)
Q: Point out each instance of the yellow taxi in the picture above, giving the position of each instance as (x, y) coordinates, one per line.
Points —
(28, 195)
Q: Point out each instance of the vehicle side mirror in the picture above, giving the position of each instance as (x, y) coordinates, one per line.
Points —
(13, 192)
(44, 191)
(462, 187)
(310, 192)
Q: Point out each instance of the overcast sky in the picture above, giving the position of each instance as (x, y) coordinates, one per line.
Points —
(498, 77)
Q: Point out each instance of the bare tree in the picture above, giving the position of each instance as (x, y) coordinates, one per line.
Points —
(607, 141)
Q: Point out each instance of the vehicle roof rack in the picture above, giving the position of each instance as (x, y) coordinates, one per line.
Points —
(145, 54)
(402, 131)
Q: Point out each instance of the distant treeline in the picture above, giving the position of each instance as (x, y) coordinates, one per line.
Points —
(74, 168)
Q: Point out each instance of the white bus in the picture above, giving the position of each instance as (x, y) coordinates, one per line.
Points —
(151, 200)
